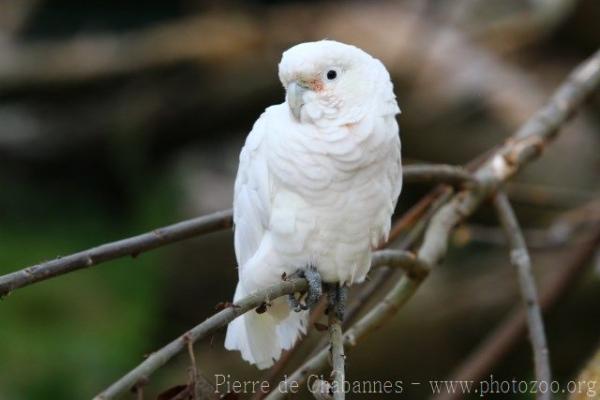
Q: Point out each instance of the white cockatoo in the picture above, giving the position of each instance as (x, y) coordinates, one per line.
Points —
(318, 181)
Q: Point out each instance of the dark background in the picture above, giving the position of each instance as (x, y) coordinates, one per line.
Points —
(118, 117)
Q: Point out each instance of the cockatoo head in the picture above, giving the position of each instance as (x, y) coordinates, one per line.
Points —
(331, 82)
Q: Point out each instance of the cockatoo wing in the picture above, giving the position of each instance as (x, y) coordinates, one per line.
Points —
(388, 111)
(252, 195)
(259, 337)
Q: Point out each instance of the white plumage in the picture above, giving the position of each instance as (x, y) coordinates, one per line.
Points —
(318, 180)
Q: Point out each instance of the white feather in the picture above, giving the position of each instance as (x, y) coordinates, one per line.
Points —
(319, 191)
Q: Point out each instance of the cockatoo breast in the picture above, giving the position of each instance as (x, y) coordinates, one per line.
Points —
(334, 190)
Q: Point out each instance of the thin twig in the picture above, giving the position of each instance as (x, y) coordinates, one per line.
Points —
(338, 372)
(193, 368)
(400, 259)
(202, 389)
(127, 247)
(561, 232)
(507, 334)
(412, 216)
(520, 258)
(385, 276)
(274, 374)
(159, 358)
(439, 173)
(396, 259)
(139, 393)
(418, 214)
(193, 365)
(524, 146)
(209, 326)
(375, 318)
(177, 232)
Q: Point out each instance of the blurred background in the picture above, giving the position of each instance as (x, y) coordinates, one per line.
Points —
(117, 117)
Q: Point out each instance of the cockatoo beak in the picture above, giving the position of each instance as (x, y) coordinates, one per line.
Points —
(295, 97)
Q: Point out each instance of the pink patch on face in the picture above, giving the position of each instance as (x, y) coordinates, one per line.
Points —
(316, 85)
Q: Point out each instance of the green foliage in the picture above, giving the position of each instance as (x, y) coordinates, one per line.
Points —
(66, 338)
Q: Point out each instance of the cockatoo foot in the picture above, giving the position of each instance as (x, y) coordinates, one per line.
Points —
(313, 294)
(337, 295)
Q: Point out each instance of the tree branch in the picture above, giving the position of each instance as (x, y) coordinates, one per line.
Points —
(177, 232)
(401, 259)
(418, 214)
(127, 247)
(506, 335)
(273, 374)
(439, 173)
(338, 373)
(520, 258)
(392, 274)
(202, 389)
(157, 359)
(400, 293)
(523, 147)
(209, 326)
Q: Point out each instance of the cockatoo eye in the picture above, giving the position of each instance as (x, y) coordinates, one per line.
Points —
(332, 74)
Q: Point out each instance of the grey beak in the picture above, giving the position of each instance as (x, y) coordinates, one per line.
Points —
(295, 97)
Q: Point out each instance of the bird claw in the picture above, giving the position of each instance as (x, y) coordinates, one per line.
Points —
(313, 294)
(296, 303)
(337, 296)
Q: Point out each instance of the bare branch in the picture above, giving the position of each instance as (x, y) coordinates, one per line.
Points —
(121, 248)
(396, 297)
(321, 389)
(157, 359)
(523, 147)
(419, 213)
(200, 386)
(401, 259)
(506, 336)
(561, 232)
(364, 295)
(519, 256)
(209, 326)
(180, 231)
(506, 161)
(274, 373)
(439, 173)
(338, 373)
